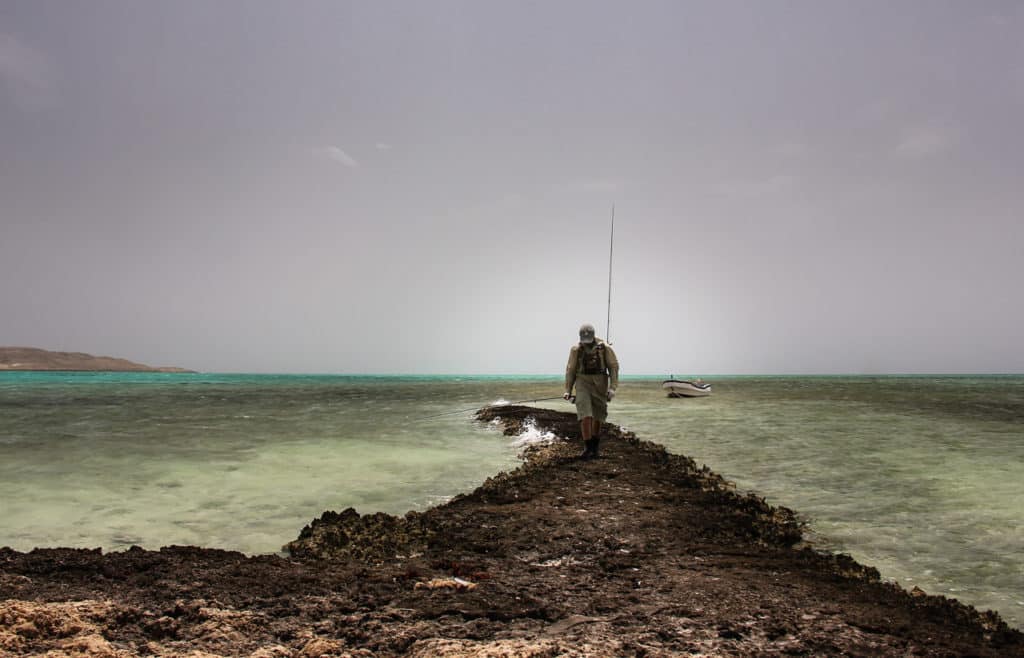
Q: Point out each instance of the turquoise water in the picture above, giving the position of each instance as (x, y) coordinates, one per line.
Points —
(921, 477)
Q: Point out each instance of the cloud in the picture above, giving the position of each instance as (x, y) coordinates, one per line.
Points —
(793, 150)
(924, 140)
(877, 110)
(996, 20)
(337, 155)
(598, 185)
(601, 185)
(756, 188)
(25, 72)
(381, 146)
(1006, 19)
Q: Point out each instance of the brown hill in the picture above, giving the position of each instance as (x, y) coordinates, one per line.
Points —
(33, 358)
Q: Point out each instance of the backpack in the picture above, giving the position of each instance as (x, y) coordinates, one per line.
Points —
(592, 363)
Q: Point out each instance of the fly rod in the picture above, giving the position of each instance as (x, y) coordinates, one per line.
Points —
(611, 247)
(462, 411)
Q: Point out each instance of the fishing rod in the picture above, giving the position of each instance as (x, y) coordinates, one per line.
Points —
(611, 247)
(462, 411)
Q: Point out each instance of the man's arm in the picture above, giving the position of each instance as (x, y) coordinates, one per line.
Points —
(612, 363)
(570, 369)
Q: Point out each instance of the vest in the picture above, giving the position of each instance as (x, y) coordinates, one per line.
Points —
(591, 363)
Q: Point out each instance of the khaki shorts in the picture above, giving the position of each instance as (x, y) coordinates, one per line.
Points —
(592, 397)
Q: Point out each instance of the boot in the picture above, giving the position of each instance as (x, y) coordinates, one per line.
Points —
(589, 449)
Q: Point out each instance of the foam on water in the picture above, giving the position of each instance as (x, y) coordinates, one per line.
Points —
(531, 435)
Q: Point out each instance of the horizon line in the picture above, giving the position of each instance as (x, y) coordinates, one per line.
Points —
(520, 375)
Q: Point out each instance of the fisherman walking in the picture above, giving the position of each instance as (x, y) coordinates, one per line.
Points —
(593, 369)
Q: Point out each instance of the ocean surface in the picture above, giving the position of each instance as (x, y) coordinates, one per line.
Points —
(921, 477)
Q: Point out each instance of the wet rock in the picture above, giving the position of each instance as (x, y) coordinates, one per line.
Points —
(372, 537)
(322, 648)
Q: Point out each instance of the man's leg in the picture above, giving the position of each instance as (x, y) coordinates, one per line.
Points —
(594, 442)
(587, 430)
(587, 427)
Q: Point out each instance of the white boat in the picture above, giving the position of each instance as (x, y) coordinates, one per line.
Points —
(686, 388)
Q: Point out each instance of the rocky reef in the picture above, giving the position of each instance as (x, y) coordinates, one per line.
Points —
(638, 553)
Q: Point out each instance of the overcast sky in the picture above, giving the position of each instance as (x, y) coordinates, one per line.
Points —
(399, 187)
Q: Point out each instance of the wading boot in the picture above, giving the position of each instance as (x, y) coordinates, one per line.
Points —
(589, 449)
(593, 446)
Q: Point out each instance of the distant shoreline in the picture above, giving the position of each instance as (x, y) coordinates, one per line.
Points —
(168, 370)
(34, 359)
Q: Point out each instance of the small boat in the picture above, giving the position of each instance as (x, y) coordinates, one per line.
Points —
(686, 388)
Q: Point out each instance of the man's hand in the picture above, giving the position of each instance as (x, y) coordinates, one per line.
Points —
(567, 396)
(611, 394)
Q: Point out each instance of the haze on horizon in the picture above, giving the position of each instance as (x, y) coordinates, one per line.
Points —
(800, 186)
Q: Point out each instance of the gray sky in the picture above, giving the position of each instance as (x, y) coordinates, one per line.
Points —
(800, 187)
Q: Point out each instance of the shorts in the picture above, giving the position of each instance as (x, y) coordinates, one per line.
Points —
(592, 397)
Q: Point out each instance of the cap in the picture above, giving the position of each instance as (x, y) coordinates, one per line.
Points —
(587, 333)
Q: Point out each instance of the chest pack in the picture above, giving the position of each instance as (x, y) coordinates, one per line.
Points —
(592, 361)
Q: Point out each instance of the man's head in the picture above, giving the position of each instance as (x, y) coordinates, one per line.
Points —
(587, 334)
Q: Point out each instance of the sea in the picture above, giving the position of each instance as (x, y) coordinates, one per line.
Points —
(921, 477)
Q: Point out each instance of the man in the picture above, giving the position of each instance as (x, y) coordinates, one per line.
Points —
(594, 370)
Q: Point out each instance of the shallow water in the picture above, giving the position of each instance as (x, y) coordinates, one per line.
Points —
(921, 477)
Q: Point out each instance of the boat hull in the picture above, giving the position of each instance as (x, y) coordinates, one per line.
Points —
(682, 388)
